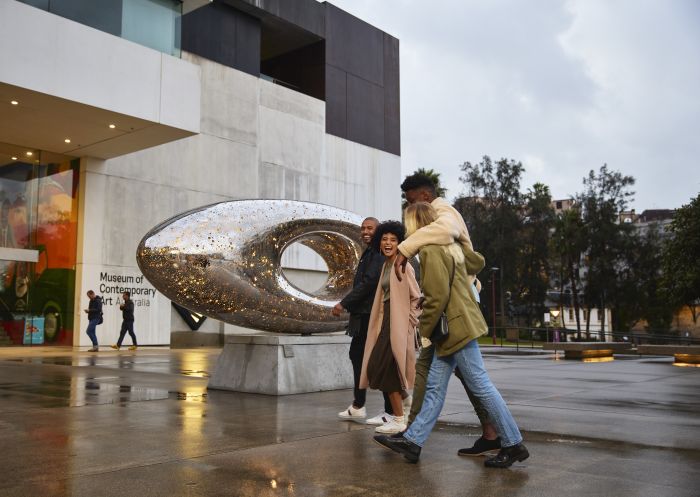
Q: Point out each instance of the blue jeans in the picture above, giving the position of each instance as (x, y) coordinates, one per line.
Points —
(91, 331)
(472, 367)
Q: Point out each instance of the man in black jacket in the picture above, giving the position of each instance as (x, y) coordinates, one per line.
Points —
(127, 322)
(359, 304)
(94, 312)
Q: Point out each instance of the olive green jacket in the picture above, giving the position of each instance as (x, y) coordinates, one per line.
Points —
(464, 318)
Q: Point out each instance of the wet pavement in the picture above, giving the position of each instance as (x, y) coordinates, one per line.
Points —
(74, 423)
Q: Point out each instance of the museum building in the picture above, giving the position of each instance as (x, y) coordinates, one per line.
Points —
(118, 114)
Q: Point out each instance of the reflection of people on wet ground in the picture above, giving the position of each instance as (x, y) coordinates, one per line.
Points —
(359, 304)
(390, 359)
(94, 312)
(445, 284)
(127, 308)
(448, 228)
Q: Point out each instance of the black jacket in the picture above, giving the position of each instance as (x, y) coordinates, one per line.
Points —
(128, 310)
(95, 307)
(359, 300)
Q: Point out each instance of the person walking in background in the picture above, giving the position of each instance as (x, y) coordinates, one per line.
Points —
(359, 304)
(127, 308)
(94, 312)
(390, 356)
(445, 285)
(448, 228)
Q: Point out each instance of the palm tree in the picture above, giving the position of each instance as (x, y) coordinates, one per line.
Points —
(435, 176)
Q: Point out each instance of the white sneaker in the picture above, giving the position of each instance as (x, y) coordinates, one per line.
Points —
(379, 419)
(394, 425)
(353, 413)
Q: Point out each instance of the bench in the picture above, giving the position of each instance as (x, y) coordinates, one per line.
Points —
(588, 350)
(685, 355)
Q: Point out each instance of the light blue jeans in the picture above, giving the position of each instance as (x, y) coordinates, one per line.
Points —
(472, 367)
(92, 324)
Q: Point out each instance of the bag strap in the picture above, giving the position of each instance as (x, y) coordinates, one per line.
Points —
(452, 276)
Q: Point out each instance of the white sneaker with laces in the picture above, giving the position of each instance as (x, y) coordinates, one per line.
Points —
(353, 412)
(394, 425)
(379, 419)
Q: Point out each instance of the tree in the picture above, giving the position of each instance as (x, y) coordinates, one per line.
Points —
(605, 195)
(681, 256)
(568, 244)
(534, 267)
(639, 284)
(492, 210)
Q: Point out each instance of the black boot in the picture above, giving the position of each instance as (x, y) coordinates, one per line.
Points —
(480, 447)
(507, 456)
(399, 444)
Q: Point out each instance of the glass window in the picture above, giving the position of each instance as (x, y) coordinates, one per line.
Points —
(153, 23)
(39, 199)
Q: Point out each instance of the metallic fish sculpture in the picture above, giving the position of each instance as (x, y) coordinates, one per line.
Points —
(223, 261)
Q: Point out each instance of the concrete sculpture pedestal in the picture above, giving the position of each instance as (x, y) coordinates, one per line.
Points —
(283, 364)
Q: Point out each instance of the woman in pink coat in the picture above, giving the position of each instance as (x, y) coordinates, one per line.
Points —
(389, 362)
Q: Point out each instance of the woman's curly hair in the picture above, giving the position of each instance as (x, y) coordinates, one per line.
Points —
(393, 227)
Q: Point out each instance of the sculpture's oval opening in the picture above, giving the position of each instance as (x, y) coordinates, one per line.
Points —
(304, 268)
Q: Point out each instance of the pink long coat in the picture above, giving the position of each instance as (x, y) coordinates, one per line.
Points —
(404, 299)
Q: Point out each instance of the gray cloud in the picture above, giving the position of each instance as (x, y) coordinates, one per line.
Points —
(563, 86)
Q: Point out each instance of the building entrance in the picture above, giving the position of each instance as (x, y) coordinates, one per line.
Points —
(38, 236)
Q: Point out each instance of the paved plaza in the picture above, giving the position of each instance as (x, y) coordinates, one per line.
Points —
(142, 423)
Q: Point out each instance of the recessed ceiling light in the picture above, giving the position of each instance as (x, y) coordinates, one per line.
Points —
(112, 126)
(14, 102)
(29, 154)
(14, 158)
(67, 140)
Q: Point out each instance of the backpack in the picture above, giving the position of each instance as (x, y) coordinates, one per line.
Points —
(101, 320)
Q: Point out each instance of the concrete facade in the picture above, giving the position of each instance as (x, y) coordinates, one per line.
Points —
(256, 140)
(74, 80)
(156, 135)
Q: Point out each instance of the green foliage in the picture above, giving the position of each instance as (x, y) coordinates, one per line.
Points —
(493, 211)
(568, 241)
(681, 256)
(639, 284)
(534, 262)
(435, 176)
(585, 252)
(605, 195)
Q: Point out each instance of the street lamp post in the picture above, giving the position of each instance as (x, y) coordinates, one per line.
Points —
(555, 322)
(493, 302)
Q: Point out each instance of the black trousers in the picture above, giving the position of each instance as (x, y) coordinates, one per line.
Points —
(357, 352)
(126, 326)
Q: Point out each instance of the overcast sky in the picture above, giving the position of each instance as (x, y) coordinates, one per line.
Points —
(561, 85)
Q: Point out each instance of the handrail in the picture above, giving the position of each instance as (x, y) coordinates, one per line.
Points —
(533, 336)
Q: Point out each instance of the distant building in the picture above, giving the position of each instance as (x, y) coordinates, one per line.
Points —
(563, 205)
(649, 217)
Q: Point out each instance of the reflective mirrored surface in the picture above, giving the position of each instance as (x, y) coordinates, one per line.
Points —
(223, 261)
